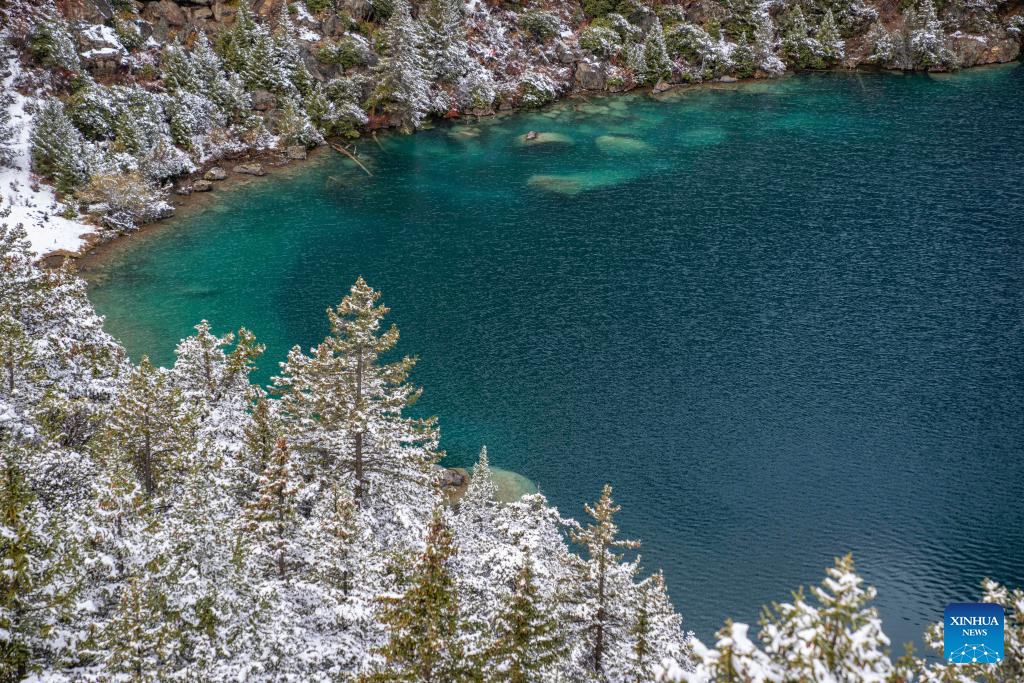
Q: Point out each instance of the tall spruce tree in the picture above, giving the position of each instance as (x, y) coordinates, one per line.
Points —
(423, 622)
(271, 524)
(528, 642)
(36, 584)
(599, 580)
(151, 428)
(342, 407)
(402, 90)
(59, 151)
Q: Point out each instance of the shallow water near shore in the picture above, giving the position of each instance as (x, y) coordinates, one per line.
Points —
(785, 320)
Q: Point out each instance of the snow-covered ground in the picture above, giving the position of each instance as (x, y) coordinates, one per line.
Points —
(32, 203)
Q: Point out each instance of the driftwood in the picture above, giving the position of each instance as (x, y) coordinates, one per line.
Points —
(374, 136)
(342, 150)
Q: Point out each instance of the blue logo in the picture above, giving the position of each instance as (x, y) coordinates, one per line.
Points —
(973, 633)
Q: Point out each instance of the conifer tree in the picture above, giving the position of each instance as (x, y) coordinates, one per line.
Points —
(6, 130)
(34, 584)
(16, 353)
(657, 65)
(798, 47)
(528, 643)
(151, 428)
(402, 91)
(479, 504)
(765, 43)
(59, 151)
(137, 642)
(601, 540)
(343, 410)
(841, 635)
(271, 523)
(743, 58)
(445, 41)
(832, 47)
(423, 622)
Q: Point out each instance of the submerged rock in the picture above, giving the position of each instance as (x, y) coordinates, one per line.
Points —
(250, 169)
(621, 144)
(202, 186)
(535, 138)
(296, 152)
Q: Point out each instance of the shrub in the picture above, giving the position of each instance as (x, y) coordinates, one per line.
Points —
(600, 41)
(540, 25)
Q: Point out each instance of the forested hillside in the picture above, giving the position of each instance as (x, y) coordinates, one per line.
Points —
(126, 97)
(183, 524)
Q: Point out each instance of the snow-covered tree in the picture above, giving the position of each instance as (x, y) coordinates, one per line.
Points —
(59, 151)
(840, 637)
(342, 408)
(765, 43)
(528, 643)
(151, 428)
(272, 523)
(445, 45)
(6, 129)
(36, 583)
(657, 65)
(423, 622)
(832, 46)
(603, 579)
(402, 90)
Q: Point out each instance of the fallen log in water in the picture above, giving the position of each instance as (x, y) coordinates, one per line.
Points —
(342, 150)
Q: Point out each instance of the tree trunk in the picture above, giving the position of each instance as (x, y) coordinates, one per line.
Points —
(599, 637)
(359, 435)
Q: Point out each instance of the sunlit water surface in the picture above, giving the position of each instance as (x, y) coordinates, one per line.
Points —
(783, 319)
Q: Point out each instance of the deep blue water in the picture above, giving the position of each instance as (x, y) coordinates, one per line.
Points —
(785, 320)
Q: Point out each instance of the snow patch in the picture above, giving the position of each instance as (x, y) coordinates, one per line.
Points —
(32, 203)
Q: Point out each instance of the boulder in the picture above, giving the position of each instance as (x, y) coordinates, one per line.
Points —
(165, 11)
(250, 169)
(202, 186)
(591, 76)
(453, 478)
(661, 86)
(183, 190)
(215, 173)
(224, 12)
(263, 100)
(296, 152)
(978, 50)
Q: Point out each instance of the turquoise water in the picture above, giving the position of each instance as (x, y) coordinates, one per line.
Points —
(783, 319)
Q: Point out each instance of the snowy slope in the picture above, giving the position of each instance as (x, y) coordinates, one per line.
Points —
(32, 203)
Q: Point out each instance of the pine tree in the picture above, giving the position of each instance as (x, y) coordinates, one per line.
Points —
(423, 622)
(150, 428)
(841, 635)
(798, 48)
(343, 409)
(7, 155)
(657, 65)
(743, 58)
(137, 642)
(832, 46)
(601, 540)
(528, 642)
(260, 434)
(480, 502)
(271, 522)
(402, 91)
(764, 44)
(59, 151)
(16, 353)
(34, 588)
(445, 41)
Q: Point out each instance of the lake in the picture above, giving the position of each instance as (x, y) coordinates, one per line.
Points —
(785, 320)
